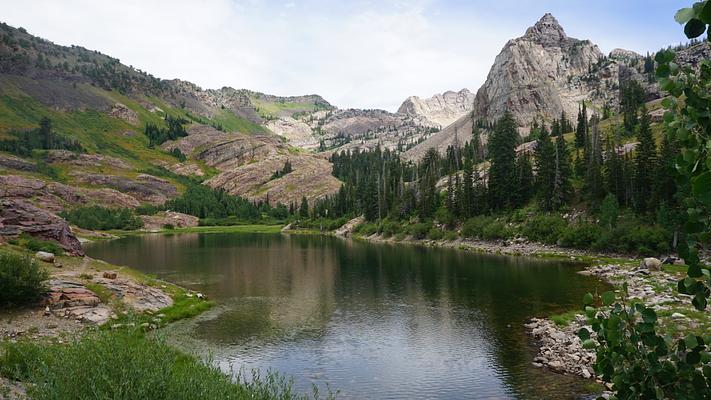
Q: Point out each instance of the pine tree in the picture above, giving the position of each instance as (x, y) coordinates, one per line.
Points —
(562, 188)
(304, 209)
(614, 173)
(45, 132)
(467, 203)
(665, 185)
(524, 180)
(581, 131)
(645, 162)
(593, 181)
(502, 149)
(545, 169)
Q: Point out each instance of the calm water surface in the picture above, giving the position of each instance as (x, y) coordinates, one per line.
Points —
(372, 321)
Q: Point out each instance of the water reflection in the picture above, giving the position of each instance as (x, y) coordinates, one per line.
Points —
(375, 321)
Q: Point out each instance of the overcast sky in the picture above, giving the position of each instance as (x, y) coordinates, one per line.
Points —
(360, 54)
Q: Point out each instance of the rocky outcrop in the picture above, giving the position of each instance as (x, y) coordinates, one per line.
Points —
(347, 229)
(440, 109)
(538, 75)
(460, 131)
(16, 163)
(168, 218)
(122, 112)
(136, 295)
(54, 196)
(85, 160)
(146, 188)
(19, 216)
(298, 133)
(69, 299)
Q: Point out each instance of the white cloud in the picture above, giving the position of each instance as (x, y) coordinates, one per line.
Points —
(354, 53)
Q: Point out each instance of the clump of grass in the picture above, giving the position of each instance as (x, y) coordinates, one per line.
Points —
(22, 280)
(565, 318)
(101, 291)
(125, 364)
(185, 307)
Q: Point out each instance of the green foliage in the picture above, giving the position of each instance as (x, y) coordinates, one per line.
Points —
(145, 368)
(22, 280)
(420, 229)
(36, 244)
(502, 149)
(581, 236)
(474, 227)
(102, 218)
(546, 228)
(174, 130)
(639, 362)
(41, 138)
(435, 233)
(609, 211)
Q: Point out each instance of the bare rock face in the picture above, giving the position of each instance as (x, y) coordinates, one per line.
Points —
(298, 133)
(54, 196)
(16, 163)
(145, 187)
(85, 160)
(19, 216)
(440, 109)
(533, 75)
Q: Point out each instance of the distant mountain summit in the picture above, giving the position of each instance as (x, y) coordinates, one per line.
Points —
(440, 109)
(539, 75)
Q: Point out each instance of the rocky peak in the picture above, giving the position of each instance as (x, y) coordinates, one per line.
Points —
(440, 109)
(547, 32)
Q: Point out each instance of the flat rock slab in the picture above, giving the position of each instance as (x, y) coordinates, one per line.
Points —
(70, 299)
(138, 296)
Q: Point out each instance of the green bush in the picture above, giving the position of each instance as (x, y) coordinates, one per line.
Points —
(581, 236)
(127, 365)
(367, 229)
(497, 230)
(391, 228)
(631, 236)
(450, 235)
(544, 228)
(35, 244)
(420, 229)
(21, 279)
(435, 233)
(474, 227)
(102, 218)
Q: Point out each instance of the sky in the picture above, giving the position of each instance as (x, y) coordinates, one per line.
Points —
(356, 54)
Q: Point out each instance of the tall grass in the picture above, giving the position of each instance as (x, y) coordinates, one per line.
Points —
(126, 364)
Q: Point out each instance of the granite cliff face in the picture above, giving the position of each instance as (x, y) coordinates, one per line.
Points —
(440, 109)
(538, 74)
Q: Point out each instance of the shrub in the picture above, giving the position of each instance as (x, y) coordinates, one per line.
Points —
(391, 228)
(367, 229)
(633, 237)
(496, 230)
(144, 368)
(450, 235)
(435, 233)
(544, 228)
(21, 279)
(420, 229)
(581, 236)
(35, 244)
(474, 227)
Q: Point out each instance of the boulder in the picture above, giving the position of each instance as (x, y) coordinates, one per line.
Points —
(45, 256)
(651, 263)
(109, 275)
(171, 218)
(73, 300)
(19, 216)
